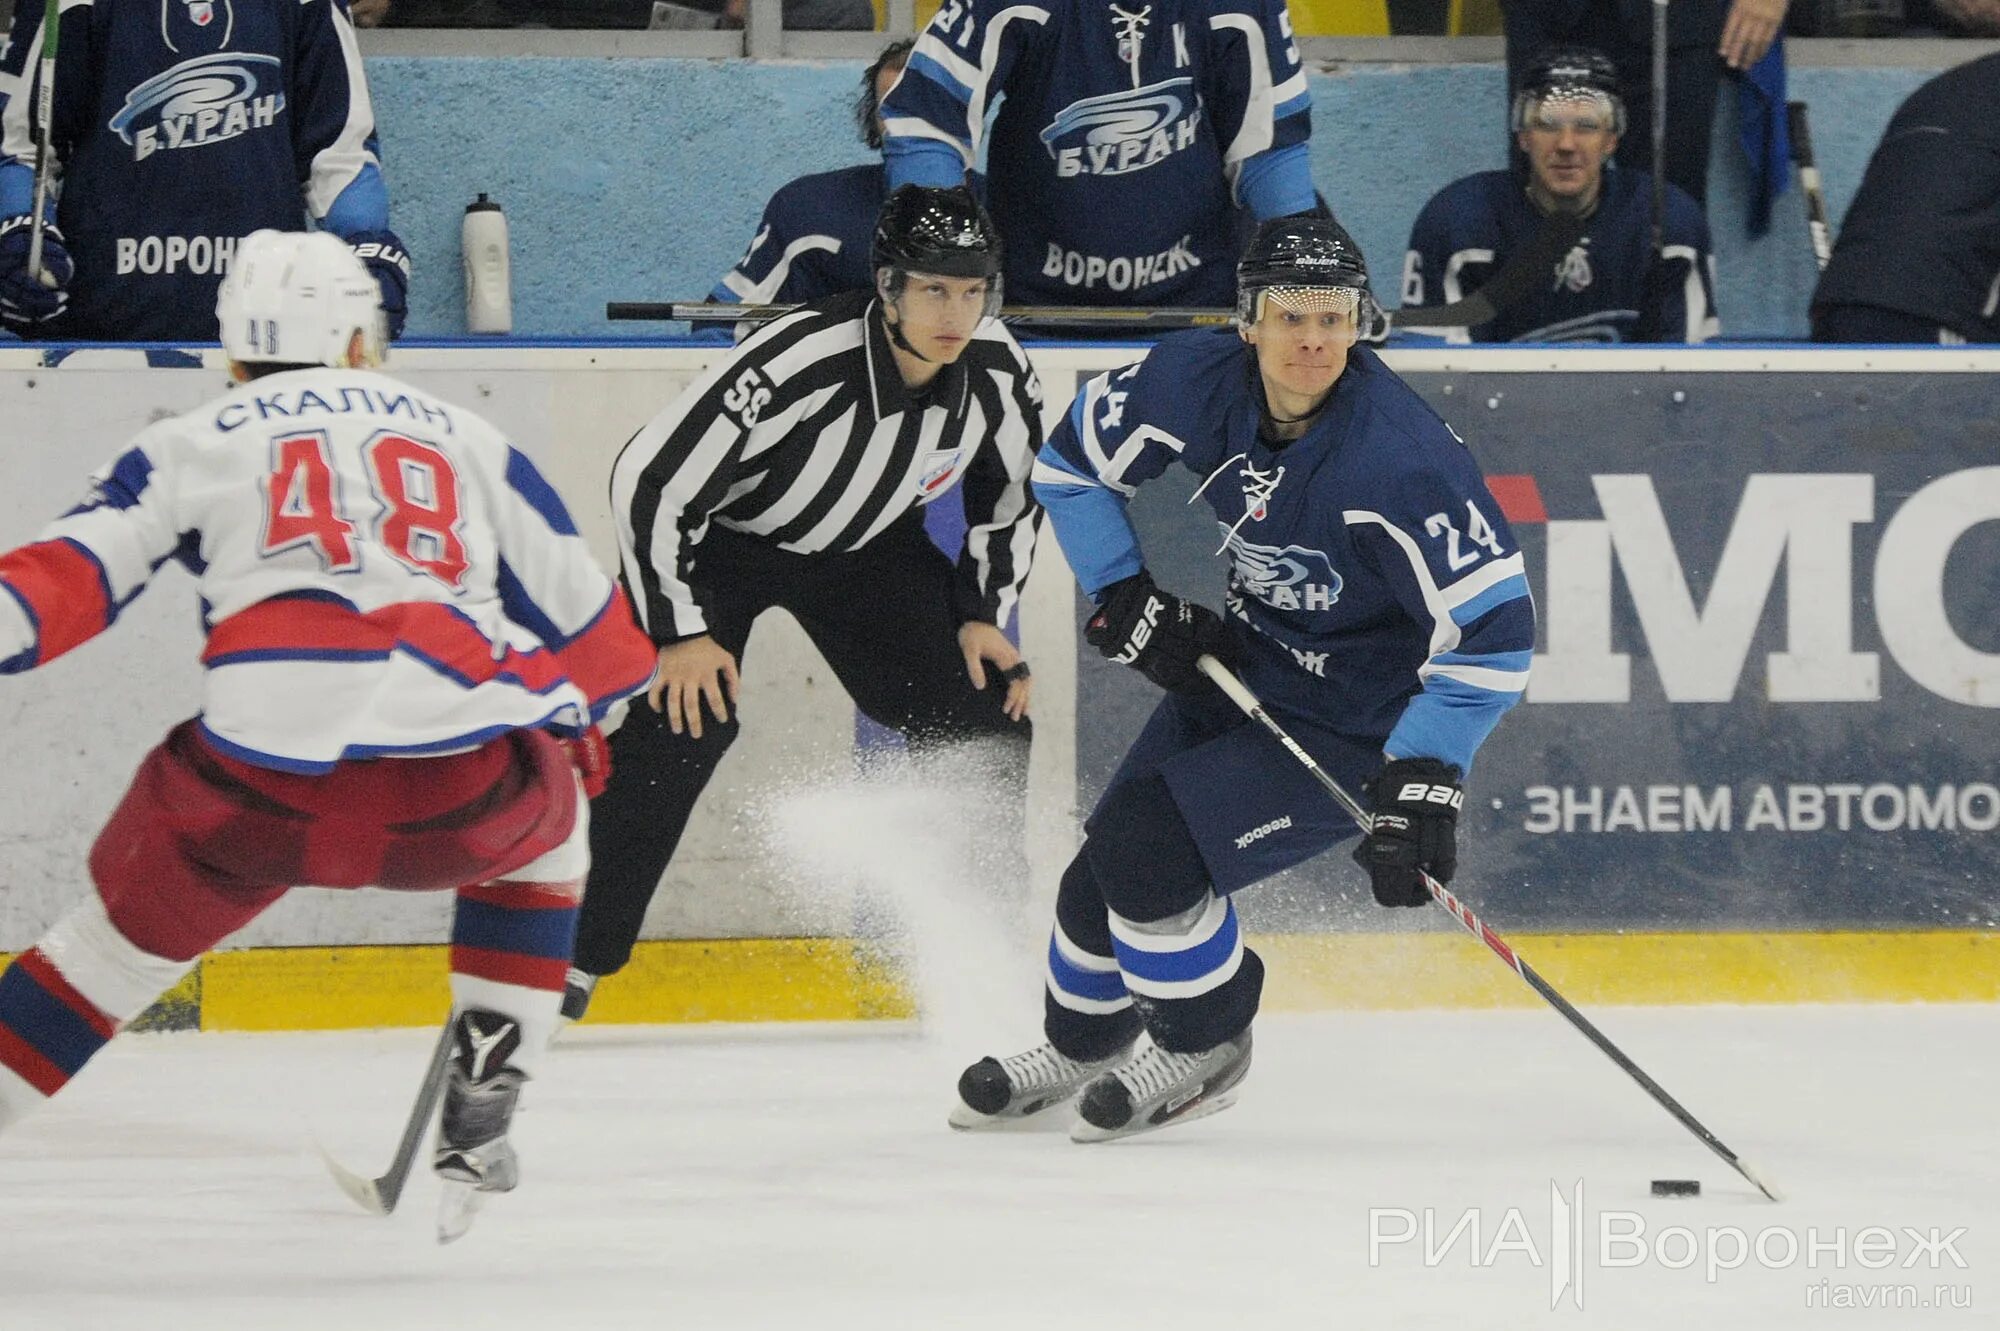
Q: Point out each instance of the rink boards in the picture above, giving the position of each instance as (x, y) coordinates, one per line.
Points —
(1754, 764)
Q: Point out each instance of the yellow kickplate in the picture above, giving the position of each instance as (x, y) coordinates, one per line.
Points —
(1307, 972)
(834, 979)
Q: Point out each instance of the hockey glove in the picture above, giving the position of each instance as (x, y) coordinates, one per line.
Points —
(590, 753)
(389, 264)
(24, 300)
(1157, 633)
(1415, 802)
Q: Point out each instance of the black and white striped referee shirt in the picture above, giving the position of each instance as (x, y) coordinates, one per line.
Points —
(806, 436)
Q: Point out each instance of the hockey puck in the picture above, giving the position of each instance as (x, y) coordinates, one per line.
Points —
(1676, 1187)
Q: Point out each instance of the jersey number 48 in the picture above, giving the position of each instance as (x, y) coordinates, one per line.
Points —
(416, 501)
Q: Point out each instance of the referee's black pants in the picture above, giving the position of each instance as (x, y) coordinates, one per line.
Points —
(884, 619)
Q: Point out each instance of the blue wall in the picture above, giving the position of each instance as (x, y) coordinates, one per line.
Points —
(640, 179)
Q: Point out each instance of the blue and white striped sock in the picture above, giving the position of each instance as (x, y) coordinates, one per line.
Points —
(1084, 982)
(1186, 963)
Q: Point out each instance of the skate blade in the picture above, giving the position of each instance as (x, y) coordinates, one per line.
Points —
(458, 1207)
(964, 1118)
(1083, 1131)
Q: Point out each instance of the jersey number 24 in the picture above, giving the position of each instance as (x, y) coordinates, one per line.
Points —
(417, 510)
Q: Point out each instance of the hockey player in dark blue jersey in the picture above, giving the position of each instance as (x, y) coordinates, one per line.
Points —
(1376, 603)
(813, 238)
(179, 126)
(1610, 287)
(1128, 138)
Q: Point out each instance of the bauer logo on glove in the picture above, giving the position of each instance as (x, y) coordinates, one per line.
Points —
(1157, 633)
(1418, 792)
(1416, 803)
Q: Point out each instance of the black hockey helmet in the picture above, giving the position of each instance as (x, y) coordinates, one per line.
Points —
(941, 231)
(1579, 73)
(1297, 255)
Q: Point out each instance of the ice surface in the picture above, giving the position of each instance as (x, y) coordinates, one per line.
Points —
(803, 1176)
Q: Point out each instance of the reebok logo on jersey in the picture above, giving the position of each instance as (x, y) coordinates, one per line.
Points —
(1289, 577)
(210, 99)
(1257, 834)
(1118, 133)
(1122, 273)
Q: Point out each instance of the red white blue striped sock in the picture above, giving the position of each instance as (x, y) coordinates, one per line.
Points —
(63, 999)
(510, 949)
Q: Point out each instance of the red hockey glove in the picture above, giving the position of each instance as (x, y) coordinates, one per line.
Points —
(591, 754)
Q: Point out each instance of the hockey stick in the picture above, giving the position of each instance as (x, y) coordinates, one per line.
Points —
(45, 154)
(1552, 241)
(1478, 928)
(380, 1195)
(1012, 315)
(1659, 127)
(1802, 157)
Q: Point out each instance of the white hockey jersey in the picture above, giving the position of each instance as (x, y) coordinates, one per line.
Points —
(381, 573)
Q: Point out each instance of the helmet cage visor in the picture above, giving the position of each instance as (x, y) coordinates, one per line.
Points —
(1547, 107)
(1302, 299)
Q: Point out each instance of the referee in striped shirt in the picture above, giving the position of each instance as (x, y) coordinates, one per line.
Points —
(793, 475)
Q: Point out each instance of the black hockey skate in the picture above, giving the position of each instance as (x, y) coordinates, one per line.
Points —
(995, 1091)
(474, 1157)
(1156, 1088)
(578, 986)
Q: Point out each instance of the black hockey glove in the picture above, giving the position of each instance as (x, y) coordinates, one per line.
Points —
(1157, 633)
(382, 253)
(1415, 802)
(24, 299)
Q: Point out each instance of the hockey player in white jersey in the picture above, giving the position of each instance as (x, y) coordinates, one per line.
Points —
(408, 647)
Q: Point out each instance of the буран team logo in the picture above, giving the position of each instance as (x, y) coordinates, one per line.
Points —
(210, 99)
(1120, 132)
(1288, 577)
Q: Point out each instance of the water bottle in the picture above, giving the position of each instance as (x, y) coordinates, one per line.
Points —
(489, 302)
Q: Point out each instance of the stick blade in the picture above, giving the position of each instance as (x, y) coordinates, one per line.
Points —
(367, 1193)
(1757, 1180)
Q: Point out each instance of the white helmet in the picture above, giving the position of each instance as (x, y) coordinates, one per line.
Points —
(299, 297)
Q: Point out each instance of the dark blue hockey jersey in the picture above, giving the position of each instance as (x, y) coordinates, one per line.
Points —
(180, 126)
(1373, 580)
(1604, 290)
(1126, 137)
(813, 239)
